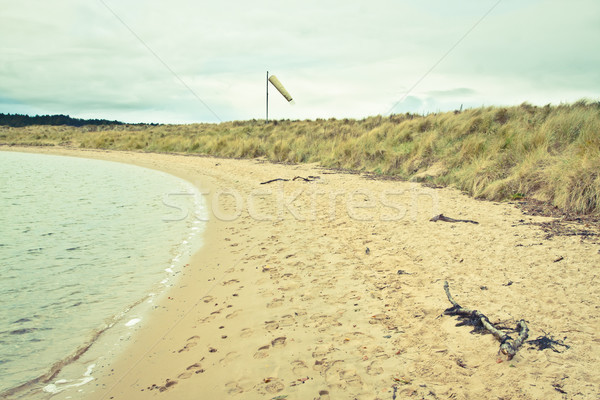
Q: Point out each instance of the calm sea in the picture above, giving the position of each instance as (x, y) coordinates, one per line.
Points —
(81, 241)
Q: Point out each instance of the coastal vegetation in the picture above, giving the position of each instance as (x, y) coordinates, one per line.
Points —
(20, 120)
(550, 153)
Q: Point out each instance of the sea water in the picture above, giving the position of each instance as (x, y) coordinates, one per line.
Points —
(81, 241)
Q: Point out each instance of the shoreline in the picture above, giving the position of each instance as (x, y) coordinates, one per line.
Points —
(284, 299)
(77, 368)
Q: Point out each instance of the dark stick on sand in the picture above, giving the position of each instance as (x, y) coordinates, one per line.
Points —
(508, 345)
(442, 217)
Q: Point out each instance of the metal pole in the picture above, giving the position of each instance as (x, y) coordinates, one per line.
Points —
(267, 118)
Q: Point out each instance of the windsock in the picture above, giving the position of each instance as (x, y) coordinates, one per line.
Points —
(273, 79)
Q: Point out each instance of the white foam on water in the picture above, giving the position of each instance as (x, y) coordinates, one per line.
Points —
(89, 370)
(133, 322)
(64, 384)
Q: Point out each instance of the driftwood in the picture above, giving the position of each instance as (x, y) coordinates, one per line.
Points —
(508, 345)
(442, 217)
(309, 179)
(296, 178)
(274, 180)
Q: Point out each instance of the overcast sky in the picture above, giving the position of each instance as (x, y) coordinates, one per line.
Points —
(185, 61)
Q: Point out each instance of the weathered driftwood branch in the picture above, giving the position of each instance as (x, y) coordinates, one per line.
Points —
(274, 180)
(442, 217)
(309, 179)
(296, 178)
(508, 345)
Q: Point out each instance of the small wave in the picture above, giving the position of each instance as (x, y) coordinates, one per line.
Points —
(22, 320)
(22, 331)
(59, 365)
(60, 385)
(55, 368)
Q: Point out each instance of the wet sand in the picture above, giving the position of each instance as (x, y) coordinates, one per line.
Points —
(332, 288)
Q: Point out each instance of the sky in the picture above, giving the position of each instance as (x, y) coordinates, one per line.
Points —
(188, 61)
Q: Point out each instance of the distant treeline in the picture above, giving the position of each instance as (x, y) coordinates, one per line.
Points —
(19, 120)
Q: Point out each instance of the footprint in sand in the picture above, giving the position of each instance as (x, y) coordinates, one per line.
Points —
(275, 303)
(193, 369)
(228, 358)
(271, 325)
(375, 368)
(321, 365)
(234, 388)
(271, 385)
(278, 342)
(240, 386)
(233, 314)
(191, 342)
(338, 374)
(246, 332)
(287, 320)
(299, 367)
(262, 352)
(206, 319)
(168, 384)
(323, 395)
(320, 352)
(207, 299)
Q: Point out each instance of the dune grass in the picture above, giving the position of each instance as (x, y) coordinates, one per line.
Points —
(550, 153)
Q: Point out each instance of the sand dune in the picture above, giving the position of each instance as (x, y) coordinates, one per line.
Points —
(333, 289)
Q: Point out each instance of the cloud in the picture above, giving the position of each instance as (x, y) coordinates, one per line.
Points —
(338, 59)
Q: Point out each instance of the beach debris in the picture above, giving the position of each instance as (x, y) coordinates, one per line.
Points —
(368, 251)
(442, 217)
(310, 178)
(548, 342)
(558, 388)
(559, 259)
(299, 381)
(274, 180)
(403, 272)
(481, 323)
(402, 380)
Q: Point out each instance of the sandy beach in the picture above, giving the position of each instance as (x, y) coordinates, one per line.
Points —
(330, 286)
